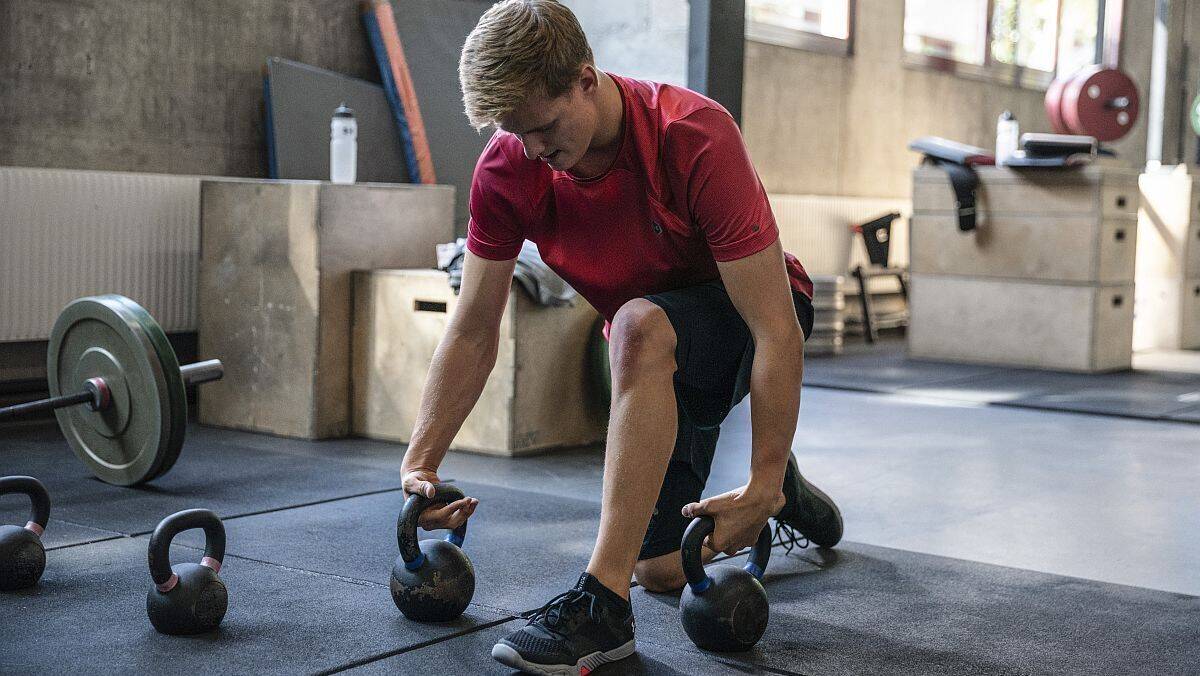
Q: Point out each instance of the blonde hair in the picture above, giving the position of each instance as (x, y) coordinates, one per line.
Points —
(519, 48)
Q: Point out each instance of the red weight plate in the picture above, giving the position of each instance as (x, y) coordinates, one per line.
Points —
(1100, 102)
(1054, 105)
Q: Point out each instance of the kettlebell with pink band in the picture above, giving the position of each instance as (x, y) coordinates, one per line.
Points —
(187, 598)
(22, 556)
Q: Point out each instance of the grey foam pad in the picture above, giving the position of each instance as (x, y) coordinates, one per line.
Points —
(1154, 395)
(303, 99)
(88, 615)
(226, 475)
(862, 609)
(521, 557)
(885, 370)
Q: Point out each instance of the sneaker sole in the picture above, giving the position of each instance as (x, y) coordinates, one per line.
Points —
(509, 657)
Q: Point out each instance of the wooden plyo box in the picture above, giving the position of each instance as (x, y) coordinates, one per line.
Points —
(1168, 261)
(275, 291)
(537, 397)
(1050, 326)
(1076, 227)
(1044, 281)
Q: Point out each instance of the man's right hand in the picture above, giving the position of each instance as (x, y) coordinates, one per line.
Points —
(450, 515)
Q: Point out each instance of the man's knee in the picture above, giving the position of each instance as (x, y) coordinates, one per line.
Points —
(642, 338)
(660, 574)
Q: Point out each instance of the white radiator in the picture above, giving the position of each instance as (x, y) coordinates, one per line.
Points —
(66, 234)
(816, 229)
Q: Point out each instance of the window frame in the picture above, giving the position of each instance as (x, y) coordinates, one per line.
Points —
(1108, 44)
(795, 38)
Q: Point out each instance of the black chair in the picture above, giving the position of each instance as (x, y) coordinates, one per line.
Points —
(877, 235)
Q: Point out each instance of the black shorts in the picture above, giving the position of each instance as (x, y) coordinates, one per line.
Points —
(714, 353)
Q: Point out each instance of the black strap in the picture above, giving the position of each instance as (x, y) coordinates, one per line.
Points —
(963, 181)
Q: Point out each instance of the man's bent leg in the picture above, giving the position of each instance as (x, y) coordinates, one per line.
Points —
(641, 436)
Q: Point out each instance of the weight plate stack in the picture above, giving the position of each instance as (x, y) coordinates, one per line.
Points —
(133, 439)
(829, 305)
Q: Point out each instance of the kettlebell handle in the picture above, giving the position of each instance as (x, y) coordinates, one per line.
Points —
(693, 565)
(40, 499)
(160, 544)
(406, 523)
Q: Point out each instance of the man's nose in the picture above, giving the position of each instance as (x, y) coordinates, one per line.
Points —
(534, 147)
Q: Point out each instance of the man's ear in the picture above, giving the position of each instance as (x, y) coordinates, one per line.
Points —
(589, 80)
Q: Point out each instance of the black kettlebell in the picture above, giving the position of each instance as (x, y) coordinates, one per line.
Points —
(187, 598)
(433, 580)
(22, 556)
(723, 608)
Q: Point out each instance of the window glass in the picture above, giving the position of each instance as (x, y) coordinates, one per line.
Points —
(830, 18)
(946, 29)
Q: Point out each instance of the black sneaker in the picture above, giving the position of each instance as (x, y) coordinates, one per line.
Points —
(808, 510)
(574, 633)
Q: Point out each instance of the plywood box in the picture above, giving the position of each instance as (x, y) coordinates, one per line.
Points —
(1080, 249)
(1094, 190)
(1169, 225)
(1038, 325)
(537, 397)
(275, 291)
(1167, 314)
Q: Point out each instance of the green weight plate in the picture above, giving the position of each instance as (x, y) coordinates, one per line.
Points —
(175, 385)
(1195, 116)
(127, 442)
(601, 371)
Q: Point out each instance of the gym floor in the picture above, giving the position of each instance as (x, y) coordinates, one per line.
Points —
(979, 540)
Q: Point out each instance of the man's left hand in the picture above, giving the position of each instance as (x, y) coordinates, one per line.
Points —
(739, 516)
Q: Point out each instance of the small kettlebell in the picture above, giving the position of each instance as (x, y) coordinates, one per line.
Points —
(22, 556)
(433, 580)
(723, 608)
(187, 598)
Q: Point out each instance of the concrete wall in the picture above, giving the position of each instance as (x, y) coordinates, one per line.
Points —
(645, 39)
(166, 86)
(157, 85)
(818, 123)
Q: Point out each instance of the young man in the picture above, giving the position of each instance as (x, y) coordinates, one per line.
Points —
(643, 198)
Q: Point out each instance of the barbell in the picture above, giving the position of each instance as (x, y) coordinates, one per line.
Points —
(117, 389)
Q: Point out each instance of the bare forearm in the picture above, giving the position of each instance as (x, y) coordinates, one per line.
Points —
(775, 381)
(459, 370)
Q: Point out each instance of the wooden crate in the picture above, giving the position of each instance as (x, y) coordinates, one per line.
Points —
(275, 291)
(1081, 249)
(1167, 314)
(1169, 226)
(1038, 325)
(537, 397)
(1095, 190)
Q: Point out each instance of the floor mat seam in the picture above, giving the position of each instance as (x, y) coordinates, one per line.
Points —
(418, 646)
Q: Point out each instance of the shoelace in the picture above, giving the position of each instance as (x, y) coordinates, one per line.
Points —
(553, 611)
(788, 537)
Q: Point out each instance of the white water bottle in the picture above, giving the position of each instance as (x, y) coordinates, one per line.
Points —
(1007, 134)
(343, 146)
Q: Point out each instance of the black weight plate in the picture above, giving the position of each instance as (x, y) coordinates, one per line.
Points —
(175, 385)
(601, 371)
(100, 336)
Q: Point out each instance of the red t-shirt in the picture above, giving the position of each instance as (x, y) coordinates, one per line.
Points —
(680, 196)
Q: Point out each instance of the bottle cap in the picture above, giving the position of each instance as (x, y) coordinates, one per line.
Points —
(343, 111)
(1007, 115)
